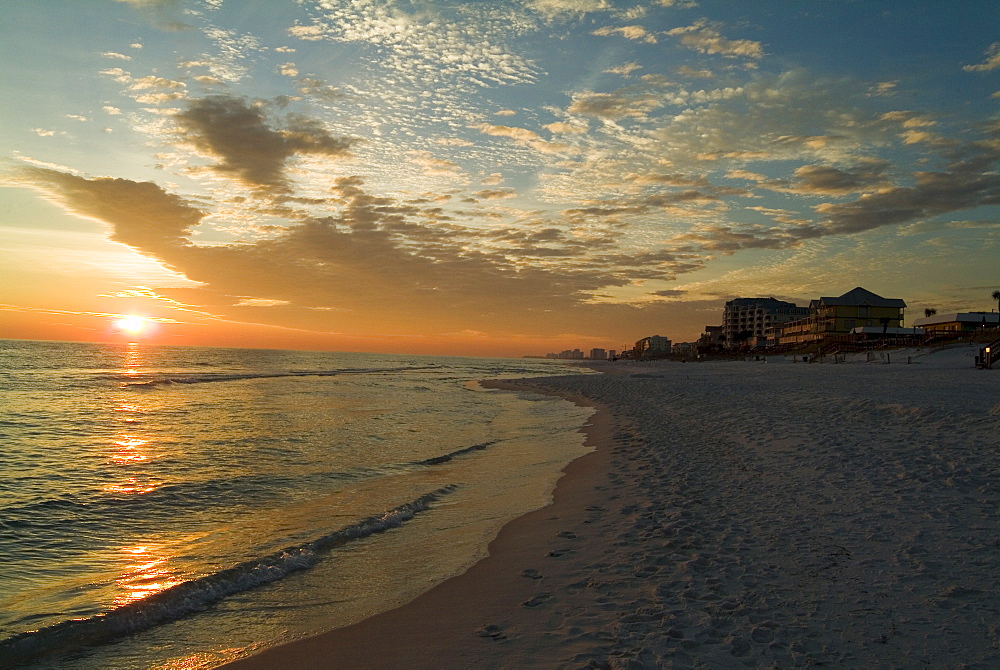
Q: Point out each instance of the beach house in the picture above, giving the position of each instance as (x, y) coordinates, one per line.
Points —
(958, 322)
(838, 316)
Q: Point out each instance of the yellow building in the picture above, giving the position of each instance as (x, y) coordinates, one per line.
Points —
(832, 316)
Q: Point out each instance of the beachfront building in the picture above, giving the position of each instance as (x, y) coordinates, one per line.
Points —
(653, 346)
(840, 315)
(567, 354)
(748, 321)
(598, 355)
(710, 339)
(958, 322)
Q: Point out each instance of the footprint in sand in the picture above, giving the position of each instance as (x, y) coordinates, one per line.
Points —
(537, 600)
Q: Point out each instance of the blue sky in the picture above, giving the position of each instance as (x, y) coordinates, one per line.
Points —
(488, 177)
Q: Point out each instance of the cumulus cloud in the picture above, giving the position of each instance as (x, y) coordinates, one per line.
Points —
(247, 148)
(702, 37)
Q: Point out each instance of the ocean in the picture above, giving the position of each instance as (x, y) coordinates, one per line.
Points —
(178, 507)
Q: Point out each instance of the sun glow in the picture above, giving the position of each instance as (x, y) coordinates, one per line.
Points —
(132, 324)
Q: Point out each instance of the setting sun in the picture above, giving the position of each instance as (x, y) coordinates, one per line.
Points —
(131, 324)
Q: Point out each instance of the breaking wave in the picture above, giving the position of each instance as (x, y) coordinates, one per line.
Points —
(197, 594)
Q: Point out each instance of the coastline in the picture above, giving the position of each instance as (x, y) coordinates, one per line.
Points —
(733, 515)
(462, 621)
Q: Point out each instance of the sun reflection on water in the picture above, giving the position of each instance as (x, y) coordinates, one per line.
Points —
(145, 574)
(128, 447)
(133, 360)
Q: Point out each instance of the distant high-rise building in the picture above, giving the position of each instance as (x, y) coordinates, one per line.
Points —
(598, 355)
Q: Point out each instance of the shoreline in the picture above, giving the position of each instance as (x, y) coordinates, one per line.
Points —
(461, 621)
(733, 515)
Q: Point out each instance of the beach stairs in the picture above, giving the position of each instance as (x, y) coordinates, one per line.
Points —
(831, 348)
(988, 355)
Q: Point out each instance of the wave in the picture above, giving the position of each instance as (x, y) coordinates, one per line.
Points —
(198, 594)
(437, 460)
(164, 379)
(93, 507)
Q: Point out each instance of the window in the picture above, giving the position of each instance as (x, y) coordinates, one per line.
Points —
(863, 310)
(848, 324)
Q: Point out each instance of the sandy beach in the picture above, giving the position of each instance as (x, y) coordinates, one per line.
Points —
(751, 514)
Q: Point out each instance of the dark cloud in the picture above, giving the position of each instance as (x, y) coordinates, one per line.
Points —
(935, 193)
(141, 214)
(828, 180)
(237, 134)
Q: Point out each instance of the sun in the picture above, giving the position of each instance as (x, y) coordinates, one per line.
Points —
(131, 324)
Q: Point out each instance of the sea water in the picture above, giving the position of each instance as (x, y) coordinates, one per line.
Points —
(176, 507)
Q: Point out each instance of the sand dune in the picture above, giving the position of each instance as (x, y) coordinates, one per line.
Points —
(737, 515)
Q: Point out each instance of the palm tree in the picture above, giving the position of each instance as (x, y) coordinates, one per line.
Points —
(996, 296)
(930, 311)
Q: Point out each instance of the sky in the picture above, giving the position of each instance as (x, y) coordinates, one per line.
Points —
(490, 178)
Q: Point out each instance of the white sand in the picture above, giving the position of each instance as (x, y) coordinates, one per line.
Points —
(743, 515)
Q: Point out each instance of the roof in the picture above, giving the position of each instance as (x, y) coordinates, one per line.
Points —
(959, 317)
(861, 296)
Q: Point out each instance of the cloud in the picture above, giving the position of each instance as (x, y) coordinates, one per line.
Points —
(883, 89)
(495, 194)
(706, 39)
(553, 8)
(434, 166)
(236, 133)
(260, 302)
(563, 128)
(934, 193)
(615, 105)
(141, 214)
(157, 83)
(514, 133)
(991, 63)
(624, 70)
(628, 32)
(687, 71)
(829, 180)
(371, 261)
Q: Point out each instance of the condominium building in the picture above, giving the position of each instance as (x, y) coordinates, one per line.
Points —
(749, 320)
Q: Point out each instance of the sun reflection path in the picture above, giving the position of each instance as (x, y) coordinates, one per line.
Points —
(128, 446)
(145, 574)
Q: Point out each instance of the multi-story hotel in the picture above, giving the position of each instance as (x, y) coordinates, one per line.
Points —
(749, 320)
